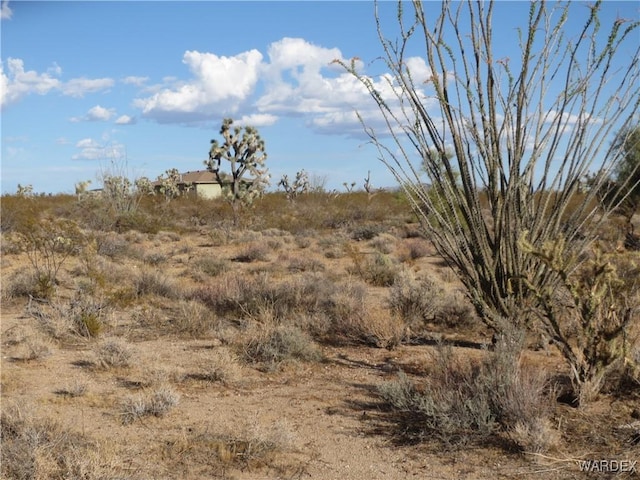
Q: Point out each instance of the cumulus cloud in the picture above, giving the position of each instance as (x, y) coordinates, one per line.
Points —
(296, 78)
(5, 11)
(96, 114)
(16, 83)
(218, 85)
(125, 120)
(91, 149)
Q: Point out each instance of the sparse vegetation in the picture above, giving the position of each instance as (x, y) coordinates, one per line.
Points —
(317, 300)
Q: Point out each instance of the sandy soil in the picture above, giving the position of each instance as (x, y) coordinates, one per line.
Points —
(327, 418)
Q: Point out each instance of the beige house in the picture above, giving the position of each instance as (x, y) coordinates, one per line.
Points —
(203, 183)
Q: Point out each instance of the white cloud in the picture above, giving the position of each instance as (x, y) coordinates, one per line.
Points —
(125, 120)
(133, 80)
(297, 79)
(78, 87)
(91, 149)
(99, 113)
(18, 83)
(87, 143)
(258, 120)
(5, 12)
(95, 114)
(219, 85)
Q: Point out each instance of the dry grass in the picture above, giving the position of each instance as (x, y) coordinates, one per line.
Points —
(157, 403)
(320, 279)
(35, 448)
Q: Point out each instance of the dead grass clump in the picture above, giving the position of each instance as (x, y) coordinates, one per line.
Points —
(155, 259)
(25, 344)
(421, 301)
(223, 367)
(250, 448)
(23, 284)
(251, 297)
(212, 266)
(112, 353)
(302, 241)
(416, 301)
(413, 249)
(192, 318)
(74, 389)
(305, 264)
(112, 245)
(376, 269)
(463, 403)
(153, 282)
(156, 403)
(346, 317)
(270, 346)
(384, 243)
(365, 232)
(39, 448)
(254, 252)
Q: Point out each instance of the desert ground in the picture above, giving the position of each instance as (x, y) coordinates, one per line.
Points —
(193, 348)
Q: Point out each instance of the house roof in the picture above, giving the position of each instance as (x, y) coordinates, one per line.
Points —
(199, 176)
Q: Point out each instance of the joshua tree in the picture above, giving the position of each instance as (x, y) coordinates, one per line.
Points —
(245, 152)
(300, 185)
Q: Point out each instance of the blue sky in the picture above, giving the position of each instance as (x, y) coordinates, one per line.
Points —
(150, 82)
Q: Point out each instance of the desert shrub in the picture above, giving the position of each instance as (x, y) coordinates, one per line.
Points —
(38, 448)
(192, 318)
(111, 244)
(384, 243)
(212, 266)
(423, 300)
(305, 264)
(302, 241)
(156, 403)
(87, 315)
(463, 403)
(415, 301)
(155, 258)
(153, 282)
(48, 243)
(112, 353)
(271, 346)
(365, 232)
(253, 252)
(223, 367)
(376, 269)
(23, 283)
(247, 448)
(413, 249)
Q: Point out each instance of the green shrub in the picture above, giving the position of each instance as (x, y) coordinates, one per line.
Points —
(272, 346)
(462, 403)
